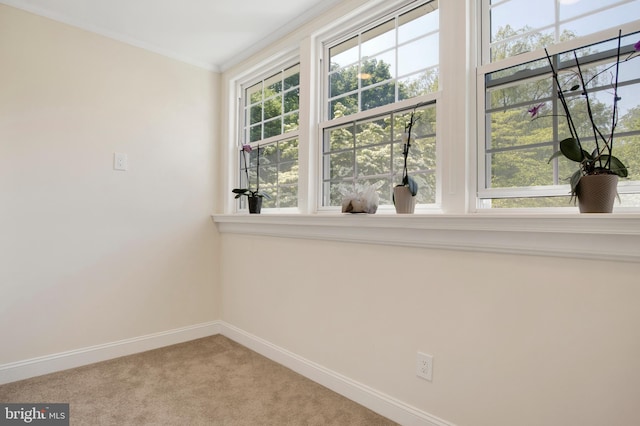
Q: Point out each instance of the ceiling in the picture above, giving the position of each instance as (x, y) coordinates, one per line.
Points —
(213, 34)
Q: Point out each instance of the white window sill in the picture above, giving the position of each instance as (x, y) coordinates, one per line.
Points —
(587, 236)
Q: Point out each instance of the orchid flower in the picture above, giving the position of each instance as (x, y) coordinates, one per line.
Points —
(535, 110)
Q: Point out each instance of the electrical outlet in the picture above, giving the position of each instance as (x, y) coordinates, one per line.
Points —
(120, 161)
(424, 366)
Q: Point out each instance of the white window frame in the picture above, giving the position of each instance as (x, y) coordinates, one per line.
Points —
(485, 67)
(367, 21)
(266, 70)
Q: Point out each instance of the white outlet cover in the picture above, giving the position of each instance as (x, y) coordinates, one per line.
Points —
(120, 161)
(424, 366)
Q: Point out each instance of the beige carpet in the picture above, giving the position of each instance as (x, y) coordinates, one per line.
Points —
(209, 381)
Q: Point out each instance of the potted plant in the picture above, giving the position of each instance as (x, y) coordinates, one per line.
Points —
(595, 182)
(254, 198)
(404, 194)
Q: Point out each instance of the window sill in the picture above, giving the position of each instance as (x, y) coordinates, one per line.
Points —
(586, 236)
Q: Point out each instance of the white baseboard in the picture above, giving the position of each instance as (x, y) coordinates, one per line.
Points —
(379, 402)
(64, 360)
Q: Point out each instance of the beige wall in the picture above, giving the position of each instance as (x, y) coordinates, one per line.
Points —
(516, 340)
(89, 255)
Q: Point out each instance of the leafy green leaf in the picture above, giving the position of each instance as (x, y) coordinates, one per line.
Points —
(591, 156)
(555, 155)
(571, 149)
(616, 165)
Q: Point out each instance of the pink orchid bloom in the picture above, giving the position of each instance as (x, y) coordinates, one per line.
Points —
(535, 110)
(247, 148)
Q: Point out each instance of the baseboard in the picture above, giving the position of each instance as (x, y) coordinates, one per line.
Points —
(379, 402)
(64, 360)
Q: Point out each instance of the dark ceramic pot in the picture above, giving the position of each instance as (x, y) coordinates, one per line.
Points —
(255, 205)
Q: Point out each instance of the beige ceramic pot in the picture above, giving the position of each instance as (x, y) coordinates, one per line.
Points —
(403, 200)
(596, 193)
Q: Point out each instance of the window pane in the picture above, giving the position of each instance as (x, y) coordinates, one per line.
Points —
(273, 85)
(253, 94)
(426, 187)
(418, 84)
(272, 128)
(291, 77)
(419, 21)
(520, 16)
(341, 164)
(278, 173)
(375, 56)
(378, 69)
(291, 122)
(267, 106)
(603, 19)
(343, 81)
(365, 153)
(373, 161)
(520, 168)
(271, 109)
(345, 53)
(343, 106)
(526, 25)
(536, 90)
(340, 138)
(418, 55)
(380, 95)
(292, 100)
(378, 39)
(288, 196)
(255, 133)
(509, 44)
(255, 114)
(373, 132)
(335, 191)
(268, 154)
(288, 151)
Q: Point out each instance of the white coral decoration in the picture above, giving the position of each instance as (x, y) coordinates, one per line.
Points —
(363, 200)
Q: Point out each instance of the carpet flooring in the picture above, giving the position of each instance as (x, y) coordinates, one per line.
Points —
(209, 381)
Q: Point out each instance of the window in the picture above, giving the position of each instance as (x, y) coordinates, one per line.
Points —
(278, 172)
(514, 170)
(347, 137)
(375, 77)
(270, 123)
(369, 152)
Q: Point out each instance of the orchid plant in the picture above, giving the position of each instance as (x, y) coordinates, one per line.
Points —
(245, 150)
(407, 180)
(601, 160)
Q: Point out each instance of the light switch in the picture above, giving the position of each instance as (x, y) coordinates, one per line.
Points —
(120, 161)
